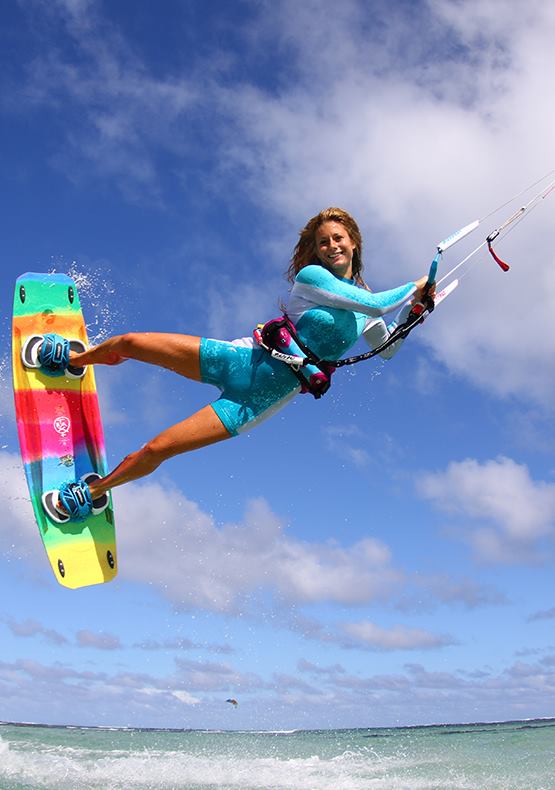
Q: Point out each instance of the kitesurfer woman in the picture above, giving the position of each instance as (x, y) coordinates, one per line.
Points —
(330, 307)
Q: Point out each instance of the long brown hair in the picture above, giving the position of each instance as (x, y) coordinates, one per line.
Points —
(305, 250)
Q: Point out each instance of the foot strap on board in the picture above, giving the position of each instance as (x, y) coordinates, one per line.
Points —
(73, 501)
(50, 354)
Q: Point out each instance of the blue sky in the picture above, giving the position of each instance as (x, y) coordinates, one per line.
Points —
(385, 555)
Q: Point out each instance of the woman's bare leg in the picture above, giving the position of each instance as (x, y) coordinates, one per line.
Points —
(179, 353)
(200, 429)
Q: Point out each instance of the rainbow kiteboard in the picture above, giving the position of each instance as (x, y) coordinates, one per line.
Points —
(60, 433)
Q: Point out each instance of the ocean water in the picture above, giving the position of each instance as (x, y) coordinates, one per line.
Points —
(501, 756)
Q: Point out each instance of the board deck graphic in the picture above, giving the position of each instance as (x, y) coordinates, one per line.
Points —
(60, 432)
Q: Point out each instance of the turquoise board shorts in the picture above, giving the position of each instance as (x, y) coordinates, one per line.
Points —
(254, 385)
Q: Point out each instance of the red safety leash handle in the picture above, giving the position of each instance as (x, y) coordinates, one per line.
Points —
(497, 259)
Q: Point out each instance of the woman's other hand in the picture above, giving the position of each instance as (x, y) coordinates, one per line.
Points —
(421, 290)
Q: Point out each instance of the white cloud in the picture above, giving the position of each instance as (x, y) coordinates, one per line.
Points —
(518, 512)
(165, 539)
(182, 644)
(308, 666)
(413, 694)
(342, 441)
(544, 614)
(442, 588)
(231, 306)
(30, 628)
(168, 541)
(209, 676)
(179, 694)
(398, 637)
(20, 535)
(121, 112)
(98, 641)
(185, 697)
(6, 392)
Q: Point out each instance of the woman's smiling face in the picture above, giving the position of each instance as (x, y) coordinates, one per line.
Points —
(335, 248)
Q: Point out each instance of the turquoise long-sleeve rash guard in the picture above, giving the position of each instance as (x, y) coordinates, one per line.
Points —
(331, 313)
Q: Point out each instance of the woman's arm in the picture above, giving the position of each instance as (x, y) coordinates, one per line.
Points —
(317, 284)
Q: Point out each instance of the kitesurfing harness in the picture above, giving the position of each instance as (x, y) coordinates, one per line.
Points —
(276, 335)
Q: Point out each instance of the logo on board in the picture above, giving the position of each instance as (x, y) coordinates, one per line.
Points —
(62, 425)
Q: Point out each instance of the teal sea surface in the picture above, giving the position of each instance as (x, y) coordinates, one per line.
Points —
(497, 756)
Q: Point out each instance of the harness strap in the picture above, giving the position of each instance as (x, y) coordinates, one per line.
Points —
(276, 335)
(314, 374)
(416, 316)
